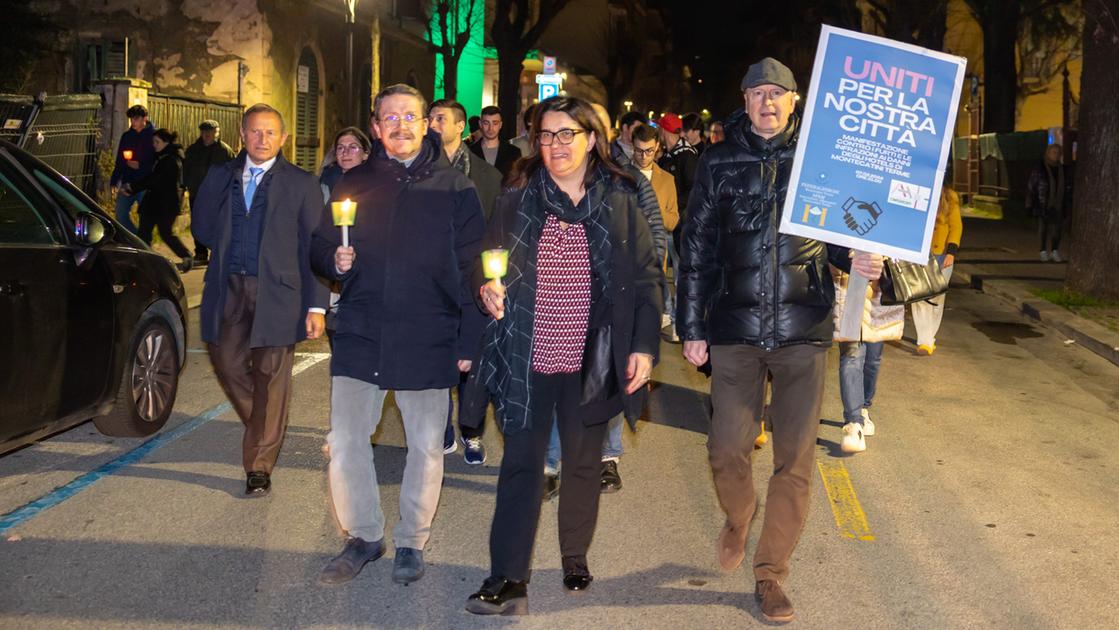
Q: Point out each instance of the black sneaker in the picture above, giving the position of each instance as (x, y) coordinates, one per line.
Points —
(611, 480)
(473, 451)
(185, 265)
(551, 486)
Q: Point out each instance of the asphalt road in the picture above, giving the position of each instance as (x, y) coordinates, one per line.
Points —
(987, 499)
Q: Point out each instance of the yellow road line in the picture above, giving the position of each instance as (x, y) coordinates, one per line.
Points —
(849, 515)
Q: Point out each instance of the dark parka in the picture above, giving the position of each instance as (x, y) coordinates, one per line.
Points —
(633, 307)
(406, 314)
(163, 184)
(742, 282)
(198, 161)
(287, 287)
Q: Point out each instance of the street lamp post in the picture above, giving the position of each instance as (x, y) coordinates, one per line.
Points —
(350, 20)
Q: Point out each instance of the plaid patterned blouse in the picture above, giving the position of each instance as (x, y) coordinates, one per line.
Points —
(563, 299)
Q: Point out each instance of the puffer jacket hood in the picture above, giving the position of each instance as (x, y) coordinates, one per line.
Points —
(741, 281)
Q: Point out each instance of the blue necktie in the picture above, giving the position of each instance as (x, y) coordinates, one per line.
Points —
(254, 172)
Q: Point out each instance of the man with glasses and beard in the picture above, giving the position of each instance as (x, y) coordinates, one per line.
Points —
(406, 323)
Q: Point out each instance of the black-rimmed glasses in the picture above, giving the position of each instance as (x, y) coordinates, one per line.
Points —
(563, 136)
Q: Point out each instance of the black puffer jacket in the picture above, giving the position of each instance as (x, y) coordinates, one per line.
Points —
(740, 280)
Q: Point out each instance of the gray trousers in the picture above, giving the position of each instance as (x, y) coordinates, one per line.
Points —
(355, 412)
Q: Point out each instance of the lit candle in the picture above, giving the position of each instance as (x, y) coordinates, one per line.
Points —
(495, 263)
(345, 212)
(127, 153)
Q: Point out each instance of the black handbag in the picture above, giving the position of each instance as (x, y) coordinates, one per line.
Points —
(906, 282)
(600, 380)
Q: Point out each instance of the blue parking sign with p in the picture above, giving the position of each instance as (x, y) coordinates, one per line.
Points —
(548, 85)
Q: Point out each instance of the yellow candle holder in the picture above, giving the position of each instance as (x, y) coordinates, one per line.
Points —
(127, 154)
(495, 263)
(344, 212)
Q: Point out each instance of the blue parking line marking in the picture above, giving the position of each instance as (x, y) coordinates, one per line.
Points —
(21, 514)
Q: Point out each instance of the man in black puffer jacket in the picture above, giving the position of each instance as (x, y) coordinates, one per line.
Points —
(762, 301)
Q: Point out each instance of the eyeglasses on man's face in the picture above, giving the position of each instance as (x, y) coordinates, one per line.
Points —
(396, 120)
(562, 136)
(649, 151)
(761, 94)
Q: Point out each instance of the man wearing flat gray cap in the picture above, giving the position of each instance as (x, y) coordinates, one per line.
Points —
(754, 301)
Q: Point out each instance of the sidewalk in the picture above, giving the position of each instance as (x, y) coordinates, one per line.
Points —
(1001, 258)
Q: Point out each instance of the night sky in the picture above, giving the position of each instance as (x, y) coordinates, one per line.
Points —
(719, 39)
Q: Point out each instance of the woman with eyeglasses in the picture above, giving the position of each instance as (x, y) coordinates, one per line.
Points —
(574, 337)
(351, 148)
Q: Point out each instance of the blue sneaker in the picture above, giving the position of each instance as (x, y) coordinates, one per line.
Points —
(473, 451)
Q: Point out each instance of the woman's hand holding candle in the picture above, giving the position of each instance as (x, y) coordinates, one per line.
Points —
(493, 298)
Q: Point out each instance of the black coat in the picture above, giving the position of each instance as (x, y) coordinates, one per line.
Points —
(406, 304)
(507, 155)
(740, 280)
(287, 287)
(163, 185)
(634, 305)
(198, 161)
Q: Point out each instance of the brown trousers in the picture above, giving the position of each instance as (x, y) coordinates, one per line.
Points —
(256, 380)
(738, 397)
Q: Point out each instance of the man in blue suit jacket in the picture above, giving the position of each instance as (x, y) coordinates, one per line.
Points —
(256, 214)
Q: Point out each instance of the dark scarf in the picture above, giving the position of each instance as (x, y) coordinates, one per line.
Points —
(461, 159)
(507, 352)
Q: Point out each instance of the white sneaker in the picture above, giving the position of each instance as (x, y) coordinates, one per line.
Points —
(1043, 255)
(666, 320)
(1055, 256)
(853, 441)
(868, 424)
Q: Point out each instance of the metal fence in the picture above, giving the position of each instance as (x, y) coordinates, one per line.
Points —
(182, 114)
(61, 130)
(64, 135)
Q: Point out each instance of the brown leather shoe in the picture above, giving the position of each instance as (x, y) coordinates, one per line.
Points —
(732, 546)
(774, 604)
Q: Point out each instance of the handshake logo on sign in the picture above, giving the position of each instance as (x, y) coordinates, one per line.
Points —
(861, 216)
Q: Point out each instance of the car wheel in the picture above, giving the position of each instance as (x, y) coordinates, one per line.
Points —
(148, 387)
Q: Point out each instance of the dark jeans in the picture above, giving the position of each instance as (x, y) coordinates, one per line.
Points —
(165, 224)
(520, 484)
(1049, 231)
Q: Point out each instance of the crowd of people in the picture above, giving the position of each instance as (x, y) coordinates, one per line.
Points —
(616, 240)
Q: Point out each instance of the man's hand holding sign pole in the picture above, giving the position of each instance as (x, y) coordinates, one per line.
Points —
(877, 129)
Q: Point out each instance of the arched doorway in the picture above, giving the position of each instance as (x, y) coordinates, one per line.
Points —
(307, 96)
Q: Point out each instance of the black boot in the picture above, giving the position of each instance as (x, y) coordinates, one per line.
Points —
(499, 596)
(576, 575)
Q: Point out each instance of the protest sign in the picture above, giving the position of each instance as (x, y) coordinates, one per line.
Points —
(870, 160)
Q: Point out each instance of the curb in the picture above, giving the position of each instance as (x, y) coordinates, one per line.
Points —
(1089, 334)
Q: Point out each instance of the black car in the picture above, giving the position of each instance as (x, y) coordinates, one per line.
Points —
(92, 321)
